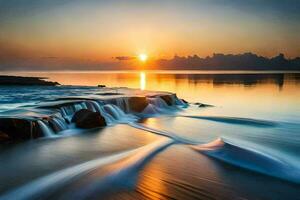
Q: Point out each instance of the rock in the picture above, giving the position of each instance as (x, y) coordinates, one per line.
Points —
(85, 118)
(3, 137)
(202, 105)
(20, 129)
(184, 101)
(101, 86)
(137, 104)
(80, 114)
(19, 80)
(168, 99)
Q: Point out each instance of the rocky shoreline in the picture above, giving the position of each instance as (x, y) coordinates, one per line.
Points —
(49, 118)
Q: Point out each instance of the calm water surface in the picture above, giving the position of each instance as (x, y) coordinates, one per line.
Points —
(274, 95)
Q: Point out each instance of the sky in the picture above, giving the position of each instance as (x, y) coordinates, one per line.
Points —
(90, 34)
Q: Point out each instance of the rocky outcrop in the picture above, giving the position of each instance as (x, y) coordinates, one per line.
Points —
(137, 104)
(85, 118)
(168, 99)
(18, 80)
(50, 118)
(202, 105)
(20, 129)
(184, 101)
(3, 137)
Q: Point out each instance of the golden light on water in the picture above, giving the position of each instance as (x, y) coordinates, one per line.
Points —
(142, 80)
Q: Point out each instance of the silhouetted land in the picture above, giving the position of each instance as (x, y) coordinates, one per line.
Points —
(18, 80)
(246, 61)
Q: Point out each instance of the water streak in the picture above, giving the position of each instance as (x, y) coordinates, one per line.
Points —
(47, 131)
(163, 133)
(251, 159)
(124, 175)
(235, 120)
(50, 183)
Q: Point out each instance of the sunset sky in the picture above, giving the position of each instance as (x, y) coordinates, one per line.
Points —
(78, 34)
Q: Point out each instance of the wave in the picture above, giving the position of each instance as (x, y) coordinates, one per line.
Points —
(235, 120)
(251, 159)
(124, 175)
(163, 133)
(49, 184)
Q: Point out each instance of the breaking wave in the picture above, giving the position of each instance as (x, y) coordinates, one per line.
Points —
(251, 159)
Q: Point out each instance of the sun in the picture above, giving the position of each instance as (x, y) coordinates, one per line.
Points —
(143, 57)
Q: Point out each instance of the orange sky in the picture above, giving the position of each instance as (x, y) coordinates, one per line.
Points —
(93, 32)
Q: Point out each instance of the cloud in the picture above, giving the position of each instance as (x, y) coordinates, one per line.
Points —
(125, 58)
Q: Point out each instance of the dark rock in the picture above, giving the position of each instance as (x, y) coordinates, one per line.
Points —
(85, 118)
(3, 137)
(168, 99)
(101, 86)
(202, 105)
(20, 129)
(184, 101)
(19, 80)
(137, 104)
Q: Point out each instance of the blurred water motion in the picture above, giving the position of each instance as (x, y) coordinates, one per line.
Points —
(252, 131)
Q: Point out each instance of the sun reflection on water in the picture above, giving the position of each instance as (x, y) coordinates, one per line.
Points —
(142, 80)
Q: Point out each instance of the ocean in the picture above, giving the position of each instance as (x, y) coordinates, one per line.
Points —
(236, 138)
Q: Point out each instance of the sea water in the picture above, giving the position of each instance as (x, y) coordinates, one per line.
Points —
(242, 145)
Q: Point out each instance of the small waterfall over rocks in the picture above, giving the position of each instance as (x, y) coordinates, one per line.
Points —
(178, 102)
(47, 131)
(114, 111)
(123, 104)
(157, 105)
(57, 117)
(58, 123)
(158, 102)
